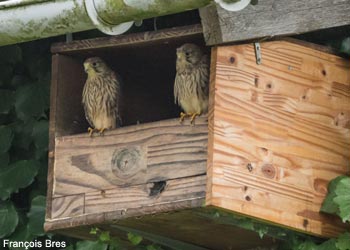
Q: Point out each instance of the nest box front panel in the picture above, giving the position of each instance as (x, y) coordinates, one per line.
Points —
(129, 168)
(279, 132)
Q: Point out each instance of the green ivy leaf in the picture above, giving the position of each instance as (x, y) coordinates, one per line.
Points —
(36, 216)
(17, 175)
(91, 245)
(342, 198)
(21, 233)
(6, 100)
(94, 230)
(104, 236)
(8, 219)
(134, 238)
(328, 245)
(4, 159)
(6, 136)
(345, 46)
(343, 241)
(31, 101)
(328, 205)
(114, 244)
(153, 247)
(41, 134)
(262, 231)
(70, 247)
(23, 133)
(307, 245)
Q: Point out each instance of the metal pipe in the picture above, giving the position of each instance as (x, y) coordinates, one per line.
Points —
(26, 20)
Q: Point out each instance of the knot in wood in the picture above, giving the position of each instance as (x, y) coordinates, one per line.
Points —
(126, 162)
(320, 186)
(268, 171)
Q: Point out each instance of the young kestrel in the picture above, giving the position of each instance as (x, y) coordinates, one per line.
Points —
(192, 81)
(101, 96)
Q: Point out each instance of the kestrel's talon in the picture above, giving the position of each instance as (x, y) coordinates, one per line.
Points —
(90, 131)
(102, 131)
(193, 117)
(182, 116)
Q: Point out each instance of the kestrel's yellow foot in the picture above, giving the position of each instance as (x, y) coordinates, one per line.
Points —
(90, 131)
(193, 117)
(182, 116)
(102, 130)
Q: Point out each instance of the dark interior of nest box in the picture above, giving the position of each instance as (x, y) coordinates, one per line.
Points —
(147, 69)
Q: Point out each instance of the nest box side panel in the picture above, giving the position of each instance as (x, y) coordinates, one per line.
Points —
(278, 132)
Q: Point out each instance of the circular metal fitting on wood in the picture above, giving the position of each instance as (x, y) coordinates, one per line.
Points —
(100, 24)
(234, 6)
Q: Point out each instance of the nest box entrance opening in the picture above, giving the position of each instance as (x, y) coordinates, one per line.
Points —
(147, 69)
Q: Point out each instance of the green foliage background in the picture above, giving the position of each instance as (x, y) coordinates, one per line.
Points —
(24, 114)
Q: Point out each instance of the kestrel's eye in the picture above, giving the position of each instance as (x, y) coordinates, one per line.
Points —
(188, 53)
(94, 64)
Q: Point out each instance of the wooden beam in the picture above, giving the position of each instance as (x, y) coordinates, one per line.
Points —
(272, 18)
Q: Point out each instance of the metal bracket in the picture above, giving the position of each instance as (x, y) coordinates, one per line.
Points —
(69, 37)
(101, 24)
(257, 49)
(234, 6)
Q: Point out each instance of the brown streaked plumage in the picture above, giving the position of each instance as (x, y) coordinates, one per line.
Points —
(101, 96)
(191, 88)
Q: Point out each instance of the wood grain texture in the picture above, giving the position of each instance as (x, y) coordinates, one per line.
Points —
(68, 206)
(151, 167)
(278, 132)
(52, 128)
(271, 18)
(102, 217)
(128, 40)
(131, 155)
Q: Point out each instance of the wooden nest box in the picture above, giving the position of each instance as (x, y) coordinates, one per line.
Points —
(277, 132)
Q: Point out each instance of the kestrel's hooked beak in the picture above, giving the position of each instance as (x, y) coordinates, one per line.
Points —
(179, 54)
(86, 67)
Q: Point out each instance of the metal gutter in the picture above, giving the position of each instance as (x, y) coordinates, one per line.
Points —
(25, 20)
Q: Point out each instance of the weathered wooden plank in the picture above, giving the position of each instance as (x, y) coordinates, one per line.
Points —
(68, 206)
(128, 40)
(271, 18)
(52, 128)
(278, 132)
(104, 206)
(131, 155)
(139, 196)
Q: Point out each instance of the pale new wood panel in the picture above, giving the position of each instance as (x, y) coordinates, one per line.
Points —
(131, 155)
(278, 132)
(271, 18)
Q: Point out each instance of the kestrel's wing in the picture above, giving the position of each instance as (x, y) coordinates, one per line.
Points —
(204, 79)
(87, 117)
(86, 110)
(117, 103)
